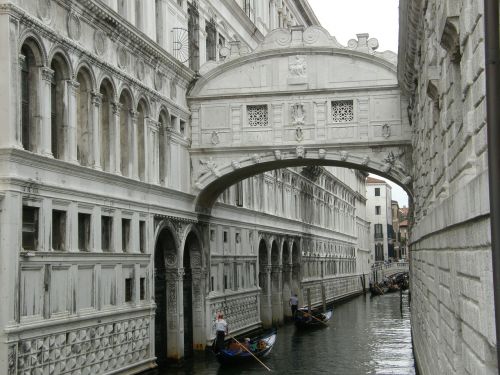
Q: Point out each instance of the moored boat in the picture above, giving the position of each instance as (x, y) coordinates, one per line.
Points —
(305, 319)
(244, 350)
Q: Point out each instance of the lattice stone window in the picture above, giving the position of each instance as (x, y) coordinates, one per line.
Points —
(342, 111)
(257, 115)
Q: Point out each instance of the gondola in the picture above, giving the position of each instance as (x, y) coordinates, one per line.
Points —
(303, 318)
(233, 353)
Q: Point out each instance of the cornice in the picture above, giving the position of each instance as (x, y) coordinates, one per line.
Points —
(243, 19)
(410, 27)
(307, 12)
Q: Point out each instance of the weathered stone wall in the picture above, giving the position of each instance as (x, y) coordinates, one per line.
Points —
(441, 65)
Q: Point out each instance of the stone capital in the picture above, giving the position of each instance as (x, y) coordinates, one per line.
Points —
(116, 108)
(47, 74)
(96, 98)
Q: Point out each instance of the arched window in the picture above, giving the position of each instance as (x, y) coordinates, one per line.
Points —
(162, 145)
(59, 110)
(141, 139)
(83, 118)
(125, 136)
(30, 119)
(106, 114)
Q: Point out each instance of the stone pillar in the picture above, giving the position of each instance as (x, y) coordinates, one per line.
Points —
(72, 87)
(175, 321)
(152, 152)
(96, 130)
(133, 147)
(161, 24)
(114, 139)
(15, 132)
(265, 297)
(276, 295)
(44, 134)
(287, 289)
(199, 339)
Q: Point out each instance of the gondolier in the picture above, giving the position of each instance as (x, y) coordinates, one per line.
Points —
(221, 330)
(294, 304)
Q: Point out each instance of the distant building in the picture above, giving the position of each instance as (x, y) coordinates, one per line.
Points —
(379, 213)
(395, 229)
(403, 239)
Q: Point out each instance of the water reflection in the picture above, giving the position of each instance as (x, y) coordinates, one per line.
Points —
(365, 336)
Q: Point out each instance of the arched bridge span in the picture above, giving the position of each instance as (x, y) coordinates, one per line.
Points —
(299, 99)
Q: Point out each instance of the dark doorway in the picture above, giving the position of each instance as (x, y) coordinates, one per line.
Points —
(164, 244)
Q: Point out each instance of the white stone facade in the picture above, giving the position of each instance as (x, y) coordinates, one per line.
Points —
(441, 67)
(101, 244)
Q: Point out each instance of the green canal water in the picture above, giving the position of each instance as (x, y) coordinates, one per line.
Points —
(365, 336)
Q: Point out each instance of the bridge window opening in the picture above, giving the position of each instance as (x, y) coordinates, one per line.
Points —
(58, 230)
(142, 236)
(30, 228)
(126, 235)
(342, 111)
(128, 289)
(377, 192)
(377, 210)
(84, 231)
(142, 287)
(225, 236)
(257, 115)
(239, 194)
(182, 127)
(106, 233)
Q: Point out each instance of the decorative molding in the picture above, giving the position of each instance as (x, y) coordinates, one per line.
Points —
(74, 26)
(44, 10)
(123, 57)
(100, 42)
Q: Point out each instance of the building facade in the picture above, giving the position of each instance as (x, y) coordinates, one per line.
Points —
(105, 266)
(441, 67)
(379, 214)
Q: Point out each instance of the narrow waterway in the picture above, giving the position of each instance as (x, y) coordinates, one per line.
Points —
(365, 336)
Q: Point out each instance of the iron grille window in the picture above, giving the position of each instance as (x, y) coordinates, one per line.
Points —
(257, 115)
(211, 40)
(342, 111)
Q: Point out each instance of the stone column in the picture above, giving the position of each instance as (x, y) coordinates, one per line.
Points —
(114, 141)
(72, 87)
(133, 147)
(16, 132)
(287, 289)
(276, 295)
(152, 152)
(199, 339)
(44, 134)
(161, 24)
(265, 297)
(175, 322)
(96, 127)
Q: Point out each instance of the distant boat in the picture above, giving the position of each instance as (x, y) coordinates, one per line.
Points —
(233, 352)
(304, 319)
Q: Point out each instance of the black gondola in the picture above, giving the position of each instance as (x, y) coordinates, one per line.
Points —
(304, 319)
(234, 353)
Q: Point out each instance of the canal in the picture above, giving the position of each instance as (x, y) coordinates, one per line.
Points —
(365, 336)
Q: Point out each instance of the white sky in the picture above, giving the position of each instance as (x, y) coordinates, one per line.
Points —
(345, 18)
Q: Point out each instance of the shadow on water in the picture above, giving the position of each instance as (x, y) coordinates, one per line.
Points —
(365, 336)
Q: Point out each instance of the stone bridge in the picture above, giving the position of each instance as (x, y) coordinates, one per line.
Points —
(390, 269)
(299, 99)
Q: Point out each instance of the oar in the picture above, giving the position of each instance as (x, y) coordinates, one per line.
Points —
(319, 320)
(244, 347)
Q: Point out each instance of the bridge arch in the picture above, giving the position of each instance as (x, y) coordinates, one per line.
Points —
(300, 99)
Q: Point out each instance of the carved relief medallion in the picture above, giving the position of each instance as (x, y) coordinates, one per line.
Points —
(74, 26)
(100, 42)
(140, 69)
(173, 89)
(123, 57)
(171, 259)
(44, 10)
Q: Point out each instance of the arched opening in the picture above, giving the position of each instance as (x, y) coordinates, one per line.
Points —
(162, 145)
(106, 128)
(125, 134)
(165, 247)
(191, 291)
(30, 93)
(141, 139)
(83, 118)
(264, 284)
(296, 269)
(59, 108)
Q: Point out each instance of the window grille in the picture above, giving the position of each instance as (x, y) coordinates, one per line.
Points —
(257, 115)
(342, 111)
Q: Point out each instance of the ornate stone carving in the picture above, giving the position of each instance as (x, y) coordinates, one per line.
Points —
(365, 161)
(321, 153)
(450, 39)
(256, 158)
(299, 135)
(123, 57)
(300, 152)
(171, 259)
(344, 155)
(297, 67)
(236, 164)
(215, 138)
(173, 89)
(210, 166)
(74, 26)
(47, 74)
(298, 114)
(100, 42)
(386, 131)
(363, 44)
(140, 69)
(44, 10)
(172, 299)
(158, 80)
(277, 155)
